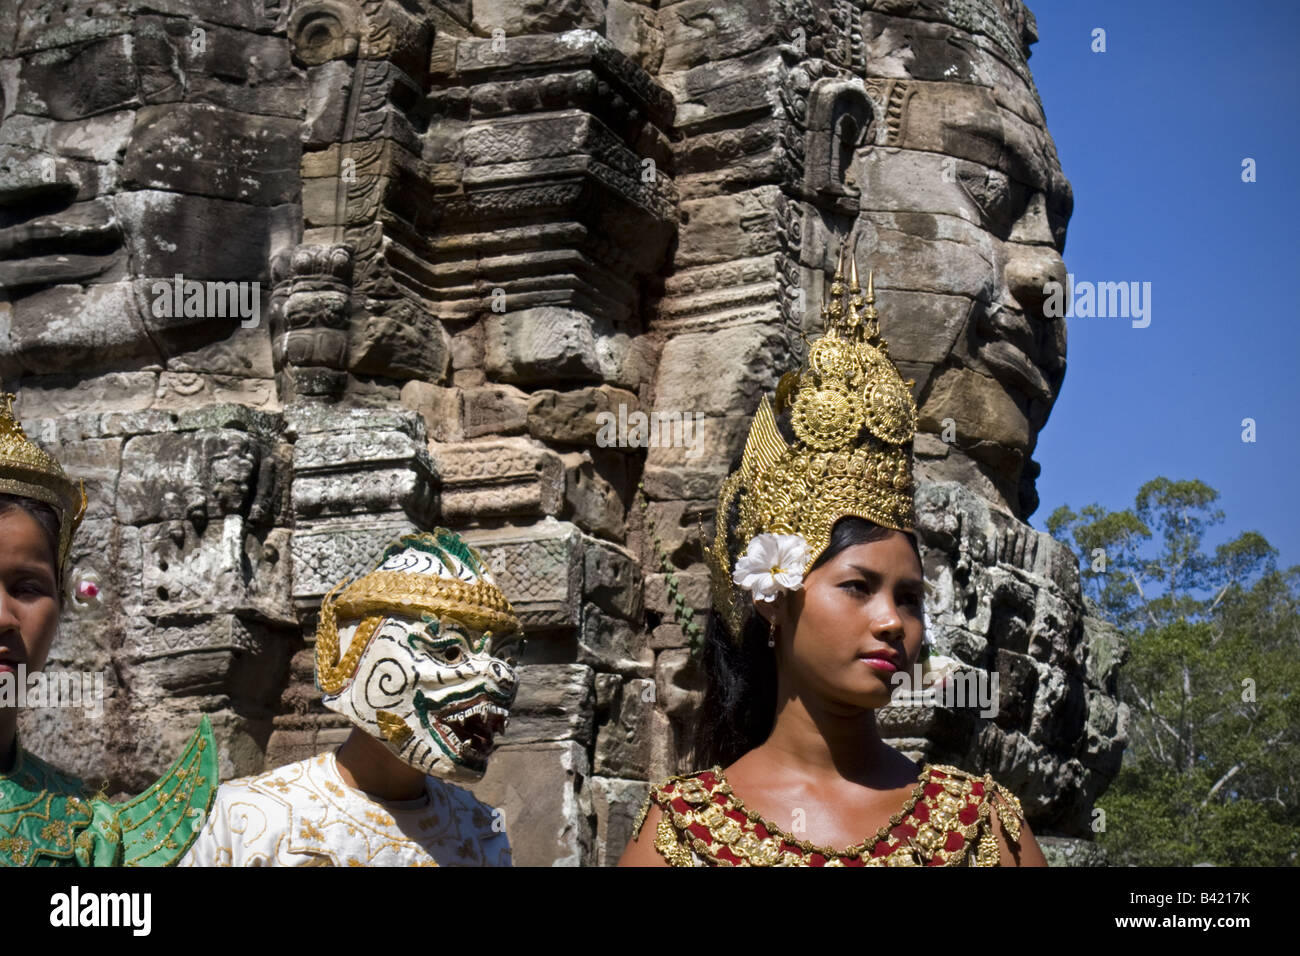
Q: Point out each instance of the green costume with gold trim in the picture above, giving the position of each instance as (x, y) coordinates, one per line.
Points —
(47, 818)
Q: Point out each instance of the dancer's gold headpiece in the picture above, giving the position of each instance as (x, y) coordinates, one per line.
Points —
(30, 472)
(853, 417)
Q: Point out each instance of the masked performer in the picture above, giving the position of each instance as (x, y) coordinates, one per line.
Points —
(412, 654)
(819, 598)
(47, 817)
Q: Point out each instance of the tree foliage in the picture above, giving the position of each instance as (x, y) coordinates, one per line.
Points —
(1214, 733)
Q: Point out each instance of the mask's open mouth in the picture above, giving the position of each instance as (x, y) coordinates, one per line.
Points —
(466, 734)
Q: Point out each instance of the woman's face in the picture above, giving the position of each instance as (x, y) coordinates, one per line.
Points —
(866, 601)
(29, 604)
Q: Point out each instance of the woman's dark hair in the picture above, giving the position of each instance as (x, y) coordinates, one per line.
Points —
(45, 516)
(739, 705)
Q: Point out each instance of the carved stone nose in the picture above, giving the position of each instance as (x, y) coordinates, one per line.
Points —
(1028, 272)
(28, 176)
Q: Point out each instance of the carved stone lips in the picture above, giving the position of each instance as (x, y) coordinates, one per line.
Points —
(79, 242)
(1009, 351)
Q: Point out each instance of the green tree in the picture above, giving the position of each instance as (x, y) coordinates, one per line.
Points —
(1214, 731)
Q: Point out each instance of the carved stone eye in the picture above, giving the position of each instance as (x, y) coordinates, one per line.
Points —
(451, 654)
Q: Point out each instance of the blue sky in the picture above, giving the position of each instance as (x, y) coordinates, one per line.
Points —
(1151, 135)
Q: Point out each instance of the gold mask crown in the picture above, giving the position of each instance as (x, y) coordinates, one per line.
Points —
(30, 472)
(853, 417)
(436, 574)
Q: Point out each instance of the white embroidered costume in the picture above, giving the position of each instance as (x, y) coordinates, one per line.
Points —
(303, 814)
(415, 654)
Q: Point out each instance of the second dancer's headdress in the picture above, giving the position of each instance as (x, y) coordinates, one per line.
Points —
(30, 472)
(853, 418)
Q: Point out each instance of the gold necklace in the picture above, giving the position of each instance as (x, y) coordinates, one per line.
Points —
(855, 850)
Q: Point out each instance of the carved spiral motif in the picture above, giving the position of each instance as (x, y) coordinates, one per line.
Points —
(323, 31)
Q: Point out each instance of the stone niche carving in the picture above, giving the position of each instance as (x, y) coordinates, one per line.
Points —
(841, 120)
(474, 229)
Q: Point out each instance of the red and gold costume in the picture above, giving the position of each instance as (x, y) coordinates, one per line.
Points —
(853, 419)
(945, 821)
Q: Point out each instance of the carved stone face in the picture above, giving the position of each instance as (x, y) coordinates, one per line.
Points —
(136, 145)
(962, 214)
(436, 692)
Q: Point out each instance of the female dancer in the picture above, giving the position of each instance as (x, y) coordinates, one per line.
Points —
(46, 816)
(818, 603)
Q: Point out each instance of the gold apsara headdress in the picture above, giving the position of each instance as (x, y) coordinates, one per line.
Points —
(428, 573)
(853, 417)
(30, 472)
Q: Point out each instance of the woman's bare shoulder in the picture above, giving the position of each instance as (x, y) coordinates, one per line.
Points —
(640, 849)
(655, 841)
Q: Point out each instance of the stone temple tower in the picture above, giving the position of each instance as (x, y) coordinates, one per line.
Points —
(438, 243)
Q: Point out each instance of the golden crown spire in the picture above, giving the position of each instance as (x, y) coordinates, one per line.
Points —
(853, 418)
(855, 298)
(30, 472)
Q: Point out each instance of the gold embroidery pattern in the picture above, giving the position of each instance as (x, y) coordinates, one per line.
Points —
(303, 815)
(184, 785)
(51, 800)
(945, 817)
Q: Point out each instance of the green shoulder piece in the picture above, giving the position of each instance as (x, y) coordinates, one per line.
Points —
(158, 826)
(43, 815)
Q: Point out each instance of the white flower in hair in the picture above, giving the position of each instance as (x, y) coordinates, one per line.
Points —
(773, 563)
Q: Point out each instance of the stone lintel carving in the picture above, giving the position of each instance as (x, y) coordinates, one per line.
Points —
(479, 59)
(554, 574)
(362, 478)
